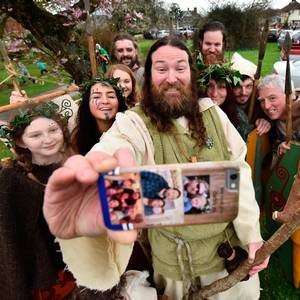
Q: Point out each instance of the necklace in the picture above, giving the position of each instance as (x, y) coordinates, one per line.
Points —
(192, 158)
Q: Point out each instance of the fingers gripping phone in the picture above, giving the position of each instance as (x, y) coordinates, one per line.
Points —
(169, 195)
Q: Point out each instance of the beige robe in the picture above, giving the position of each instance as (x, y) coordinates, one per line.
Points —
(97, 263)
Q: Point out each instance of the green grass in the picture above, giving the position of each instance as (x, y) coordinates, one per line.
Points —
(4, 152)
(44, 84)
(144, 46)
(271, 56)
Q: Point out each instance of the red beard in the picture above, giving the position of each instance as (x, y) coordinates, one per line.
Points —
(213, 59)
(173, 100)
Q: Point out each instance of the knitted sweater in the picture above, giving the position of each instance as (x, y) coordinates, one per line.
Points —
(29, 257)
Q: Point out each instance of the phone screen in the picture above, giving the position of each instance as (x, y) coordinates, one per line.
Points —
(164, 197)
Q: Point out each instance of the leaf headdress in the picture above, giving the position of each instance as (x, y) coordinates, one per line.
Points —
(110, 81)
(218, 72)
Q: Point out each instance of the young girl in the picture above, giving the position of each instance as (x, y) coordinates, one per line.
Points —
(127, 82)
(31, 264)
(101, 100)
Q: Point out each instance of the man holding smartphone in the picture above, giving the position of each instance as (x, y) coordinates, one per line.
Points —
(170, 126)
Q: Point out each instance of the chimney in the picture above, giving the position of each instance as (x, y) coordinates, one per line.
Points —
(195, 10)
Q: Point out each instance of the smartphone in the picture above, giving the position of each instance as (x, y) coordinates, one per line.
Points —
(169, 195)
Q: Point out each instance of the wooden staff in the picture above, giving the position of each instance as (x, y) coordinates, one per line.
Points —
(288, 88)
(38, 99)
(261, 55)
(292, 217)
(9, 66)
(90, 39)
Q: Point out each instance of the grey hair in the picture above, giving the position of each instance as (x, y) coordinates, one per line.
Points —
(274, 80)
(271, 81)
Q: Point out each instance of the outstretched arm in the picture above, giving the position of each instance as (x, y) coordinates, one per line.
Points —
(71, 205)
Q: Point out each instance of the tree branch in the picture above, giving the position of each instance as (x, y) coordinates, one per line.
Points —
(269, 247)
(49, 29)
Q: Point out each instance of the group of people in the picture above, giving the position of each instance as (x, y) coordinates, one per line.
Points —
(46, 192)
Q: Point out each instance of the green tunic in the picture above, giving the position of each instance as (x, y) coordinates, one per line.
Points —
(188, 251)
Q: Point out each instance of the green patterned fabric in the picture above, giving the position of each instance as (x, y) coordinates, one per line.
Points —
(203, 240)
(277, 191)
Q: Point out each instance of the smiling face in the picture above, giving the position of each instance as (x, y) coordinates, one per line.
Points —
(103, 103)
(125, 52)
(44, 139)
(124, 81)
(242, 94)
(217, 92)
(171, 80)
(272, 102)
(198, 201)
(212, 47)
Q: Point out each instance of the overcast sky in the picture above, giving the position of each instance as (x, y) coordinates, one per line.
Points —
(203, 5)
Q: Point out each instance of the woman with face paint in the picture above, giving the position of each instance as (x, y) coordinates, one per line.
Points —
(31, 264)
(127, 82)
(101, 100)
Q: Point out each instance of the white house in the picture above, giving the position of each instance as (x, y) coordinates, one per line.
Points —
(290, 14)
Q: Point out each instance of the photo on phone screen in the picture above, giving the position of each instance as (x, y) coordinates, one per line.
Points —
(162, 196)
(123, 196)
(196, 195)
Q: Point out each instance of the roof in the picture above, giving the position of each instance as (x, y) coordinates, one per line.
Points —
(293, 5)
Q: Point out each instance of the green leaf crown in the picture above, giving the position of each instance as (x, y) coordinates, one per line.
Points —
(110, 81)
(218, 72)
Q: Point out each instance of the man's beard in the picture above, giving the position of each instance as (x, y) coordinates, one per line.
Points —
(133, 60)
(173, 106)
(213, 58)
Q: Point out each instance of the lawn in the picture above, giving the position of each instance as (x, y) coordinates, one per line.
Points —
(44, 83)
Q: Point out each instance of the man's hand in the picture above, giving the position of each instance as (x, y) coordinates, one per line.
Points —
(17, 97)
(262, 126)
(283, 148)
(252, 248)
(71, 205)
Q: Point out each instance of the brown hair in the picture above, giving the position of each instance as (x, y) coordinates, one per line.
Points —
(134, 97)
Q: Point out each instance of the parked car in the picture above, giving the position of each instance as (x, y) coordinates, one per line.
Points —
(281, 37)
(280, 68)
(148, 35)
(273, 35)
(185, 31)
(163, 33)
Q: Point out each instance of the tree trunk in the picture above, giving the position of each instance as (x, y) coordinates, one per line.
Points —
(62, 41)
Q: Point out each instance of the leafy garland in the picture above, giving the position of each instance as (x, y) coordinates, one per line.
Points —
(111, 81)
(23, 119)
(218, 72)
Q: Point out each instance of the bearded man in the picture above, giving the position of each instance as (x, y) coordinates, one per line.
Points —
(212, 42)
(124, 50)
(170, 126)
